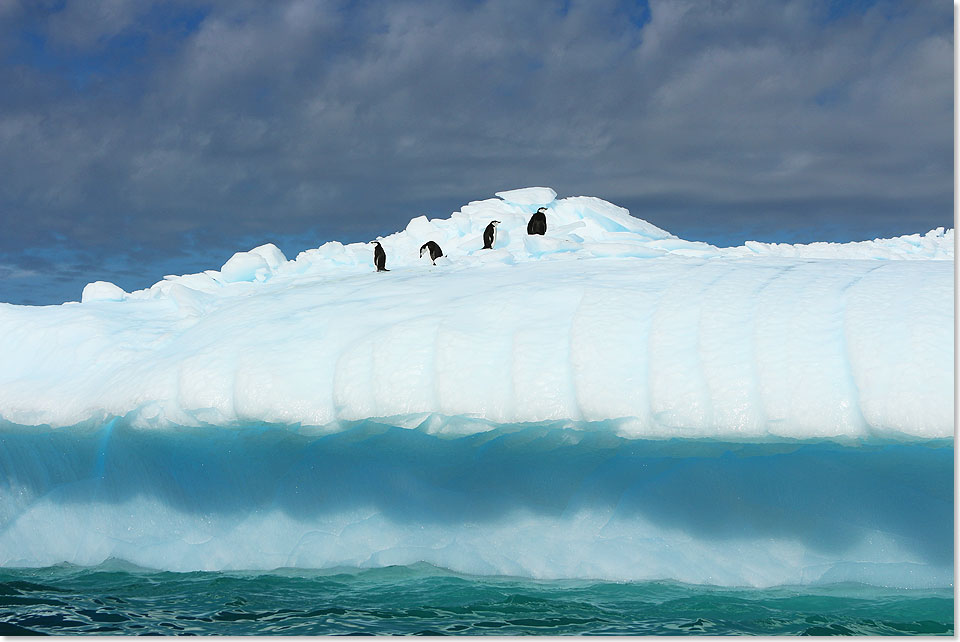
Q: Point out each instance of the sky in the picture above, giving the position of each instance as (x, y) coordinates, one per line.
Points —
(142, 138)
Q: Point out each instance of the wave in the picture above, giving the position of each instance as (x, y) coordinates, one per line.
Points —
(119, 598)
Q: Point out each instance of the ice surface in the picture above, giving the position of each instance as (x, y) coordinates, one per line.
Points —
(607, 318)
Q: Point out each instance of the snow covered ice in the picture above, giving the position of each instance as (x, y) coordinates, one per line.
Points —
(607, 317)
(312, 412)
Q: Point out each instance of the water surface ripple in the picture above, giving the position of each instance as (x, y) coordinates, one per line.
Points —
(116, 598)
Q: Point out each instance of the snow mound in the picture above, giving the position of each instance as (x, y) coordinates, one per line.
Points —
(102, 291)
(529, 196)
(256, 265)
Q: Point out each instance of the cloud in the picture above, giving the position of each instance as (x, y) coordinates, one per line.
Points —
(139, 123)
(82, 25)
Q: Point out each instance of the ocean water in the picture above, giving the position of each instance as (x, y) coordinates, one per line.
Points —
(119, 599)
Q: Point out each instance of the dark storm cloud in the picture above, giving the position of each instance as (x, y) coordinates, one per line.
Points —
(138, 132)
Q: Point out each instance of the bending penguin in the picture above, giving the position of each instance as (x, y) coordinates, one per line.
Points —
(379, 257)
(490, 235)
(435, 251)
(538, 222)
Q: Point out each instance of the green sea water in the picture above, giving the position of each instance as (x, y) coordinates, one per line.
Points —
(117, 599)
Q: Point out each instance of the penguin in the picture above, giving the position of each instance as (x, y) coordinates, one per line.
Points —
(435, 251)
(379, 257)
(538, 222)
(490, 235)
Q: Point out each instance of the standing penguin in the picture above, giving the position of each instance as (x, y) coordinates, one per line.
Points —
(490, 235)
(379, 257)
(538, 222)
(435, 251)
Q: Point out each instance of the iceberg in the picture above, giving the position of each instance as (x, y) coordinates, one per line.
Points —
(606, 401)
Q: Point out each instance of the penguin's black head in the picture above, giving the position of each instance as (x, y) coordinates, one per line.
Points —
(495, 222)
(542, 209)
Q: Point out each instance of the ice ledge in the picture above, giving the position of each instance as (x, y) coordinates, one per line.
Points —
(536, 502)
(453, 428)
